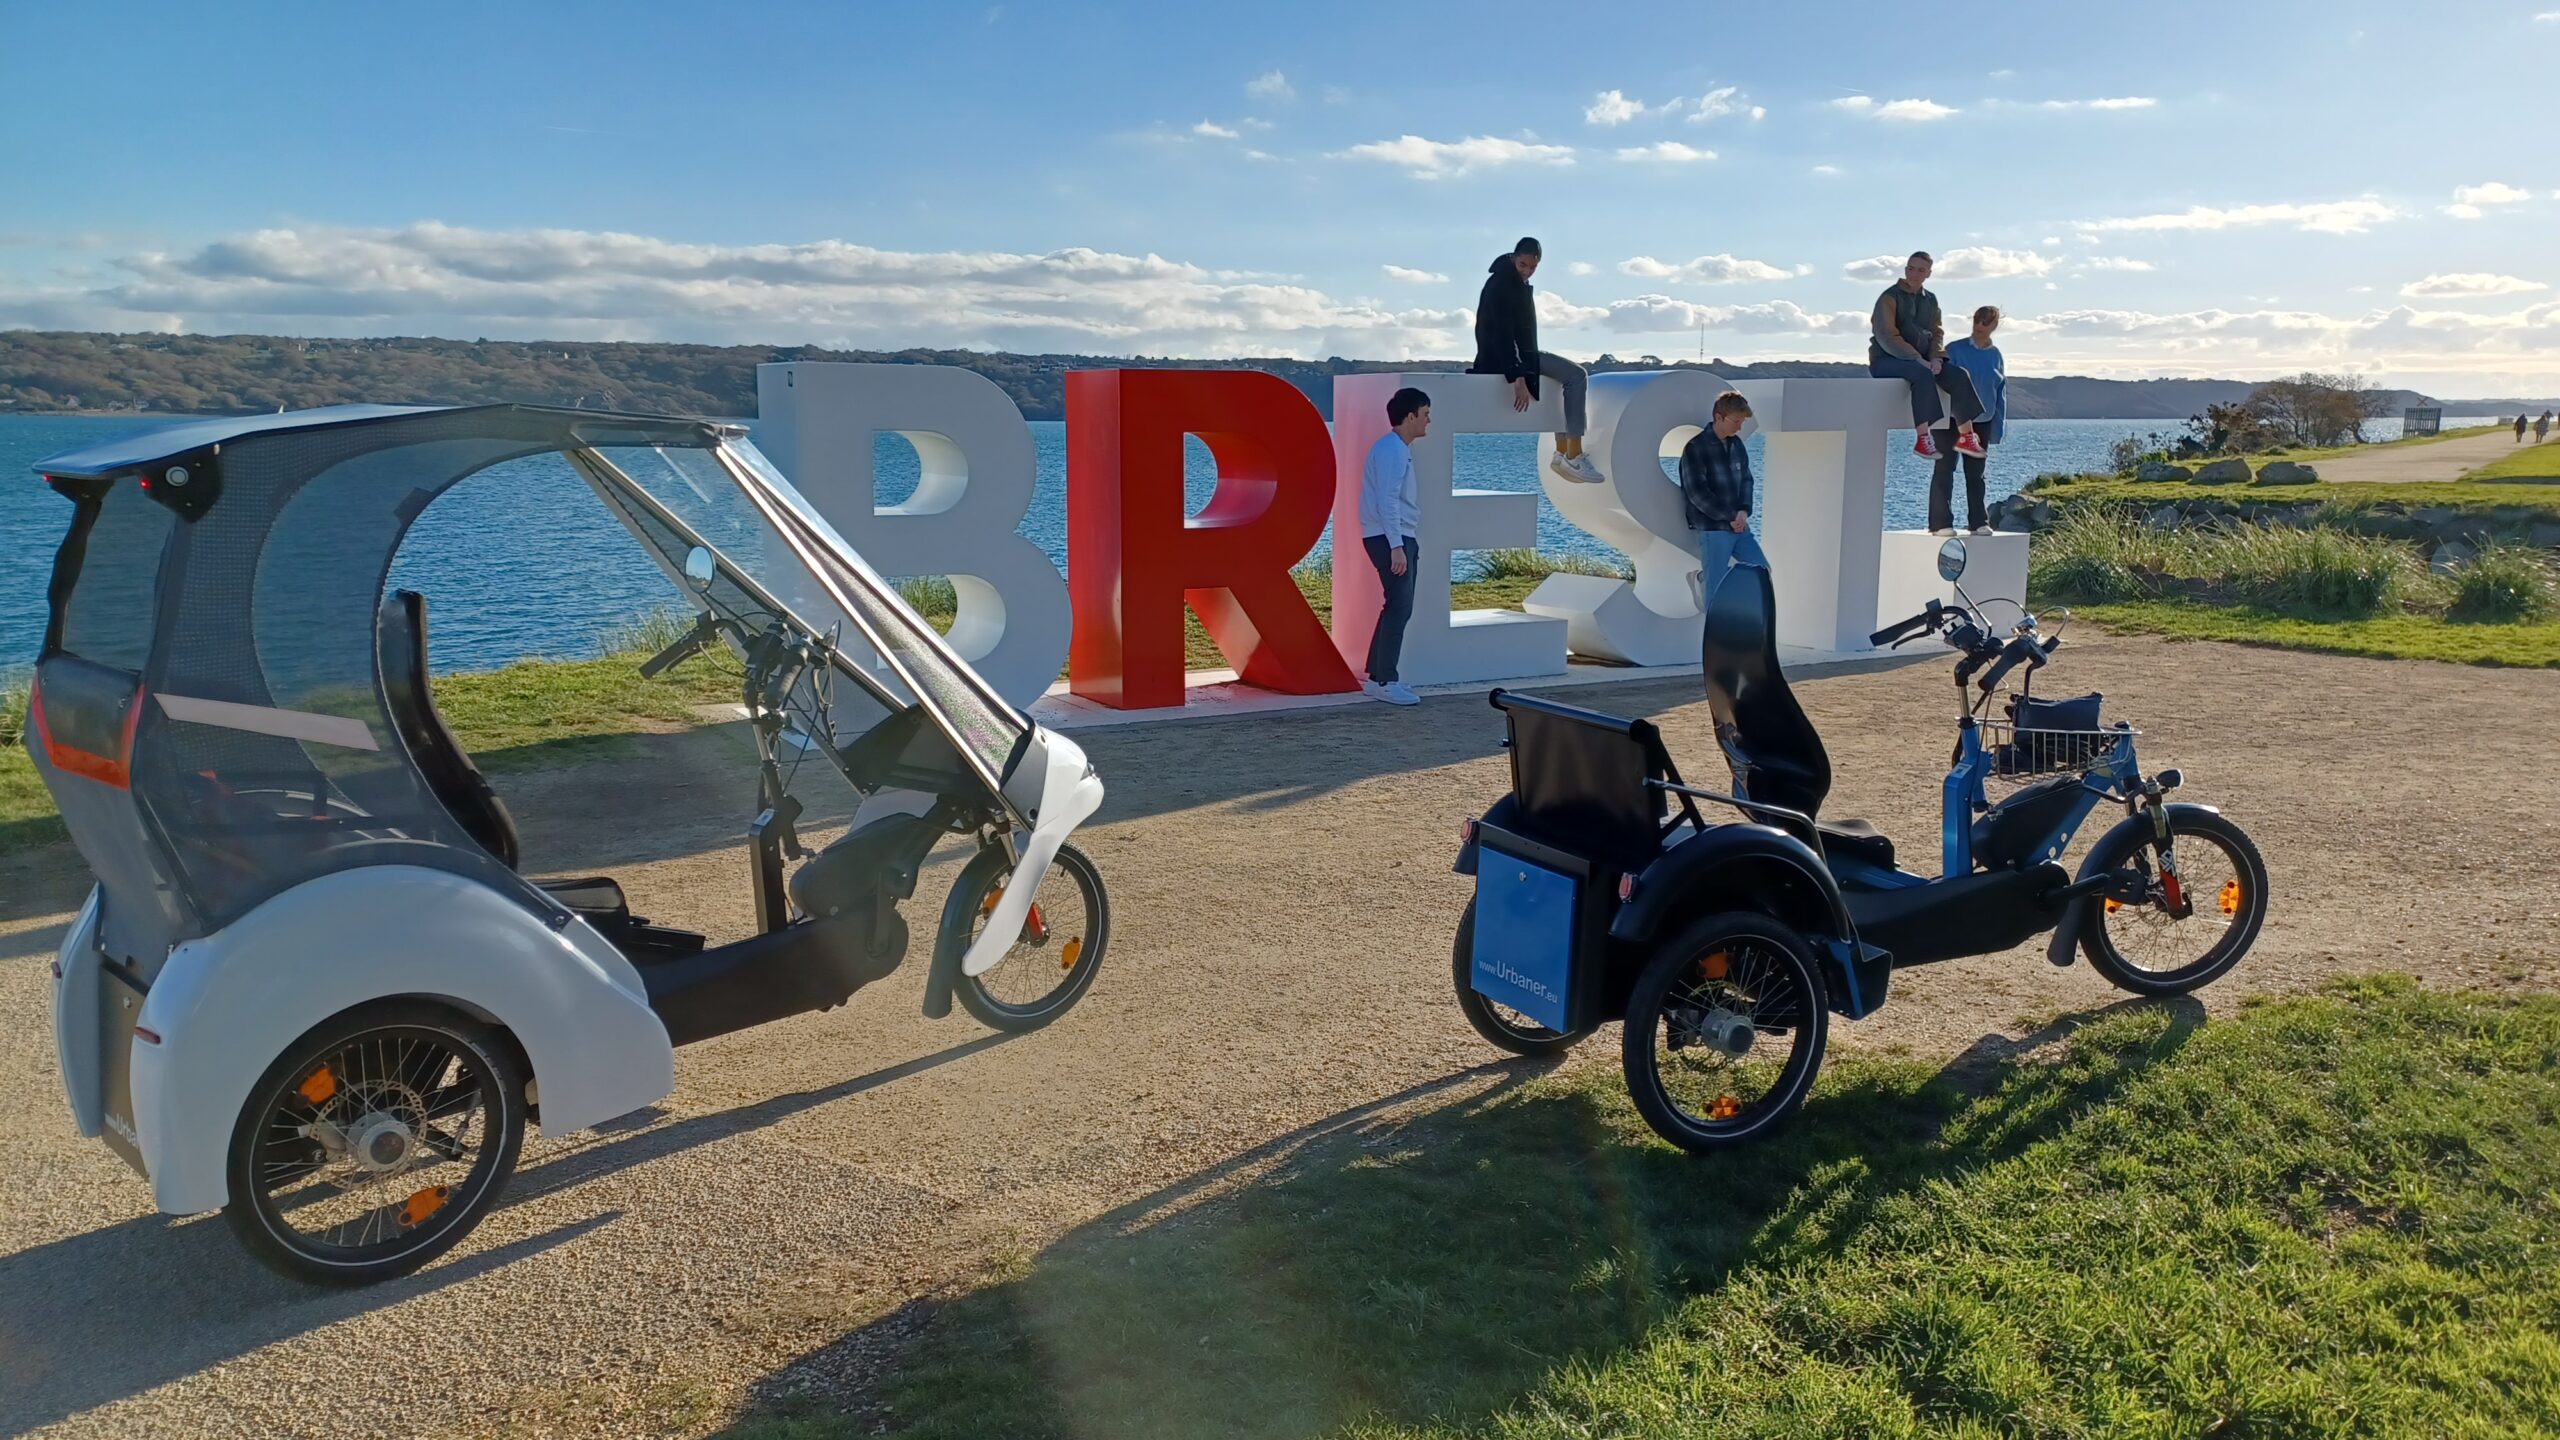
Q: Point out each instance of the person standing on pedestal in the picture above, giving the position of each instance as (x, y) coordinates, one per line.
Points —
(1390, 512)
(1715, 487)
(1906, 341)
(1980, 361)
(1507, 344)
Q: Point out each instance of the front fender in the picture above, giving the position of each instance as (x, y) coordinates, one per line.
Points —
(225, 1006)
(1780, 869)
(2119, 840)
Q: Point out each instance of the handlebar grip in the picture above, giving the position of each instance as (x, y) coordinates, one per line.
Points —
(1917, 622)
(2010, 654)
(660, 663)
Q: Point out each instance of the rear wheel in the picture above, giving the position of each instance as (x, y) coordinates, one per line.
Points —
(1496, 1022)
(375, 1143)
(1052, 962)
(1725, 1031)
(2170, 939)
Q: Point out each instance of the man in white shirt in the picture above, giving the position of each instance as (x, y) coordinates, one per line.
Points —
(1389, 513)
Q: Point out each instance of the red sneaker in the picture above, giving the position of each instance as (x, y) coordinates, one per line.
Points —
(1925, 447)
(1969, 443)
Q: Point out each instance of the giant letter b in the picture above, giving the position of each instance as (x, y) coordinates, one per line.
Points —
(1134, 561)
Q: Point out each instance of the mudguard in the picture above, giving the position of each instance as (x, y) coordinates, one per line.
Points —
(1056, 787)
(1778, 867)
(2066, 936)
(225, 1006)
(75, 1018)
(1500, 818)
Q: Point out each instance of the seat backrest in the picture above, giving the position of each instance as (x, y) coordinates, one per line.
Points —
(1776, 755)
(1579, 778)
(401, 644)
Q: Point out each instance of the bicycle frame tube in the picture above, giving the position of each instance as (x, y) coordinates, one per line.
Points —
(2119, 776)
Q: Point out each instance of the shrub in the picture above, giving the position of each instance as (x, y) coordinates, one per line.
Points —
(647, 634)
(2126, 453)
(2315, 571)
(929, 595)
(2503, 585)
(2092, 555)
(1522, 564)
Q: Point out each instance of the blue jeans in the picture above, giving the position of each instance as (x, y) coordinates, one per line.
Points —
(1925, 411)
(1386, 643)
(1720, 549)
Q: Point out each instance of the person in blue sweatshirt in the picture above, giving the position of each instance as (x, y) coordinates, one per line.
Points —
(1980, 360)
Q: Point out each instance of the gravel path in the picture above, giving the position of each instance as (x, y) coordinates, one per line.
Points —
(1283, 908)
(2441, 460)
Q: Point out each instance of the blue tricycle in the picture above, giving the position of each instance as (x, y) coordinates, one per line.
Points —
(1603, 893)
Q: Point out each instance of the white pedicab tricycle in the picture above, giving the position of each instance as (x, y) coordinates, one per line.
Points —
(310, 987)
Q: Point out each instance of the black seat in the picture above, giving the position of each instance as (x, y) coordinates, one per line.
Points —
(402, 643)
(1583, 780)
(1775, 753)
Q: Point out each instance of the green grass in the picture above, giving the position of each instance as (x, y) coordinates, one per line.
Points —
(2526, 503)
(2530, 462)
(2390, 637)
(2325, 1217)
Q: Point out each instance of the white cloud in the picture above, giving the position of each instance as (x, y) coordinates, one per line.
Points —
(434, 279)
(2549, 17)
(1718, 103)
(2051, 240)
(1612, 107)
(1209, 131)
(1905, 111)
(1271, 85)
(2119, 262)
(1260, 155)
(2333, 217)
(2493, 193)
(1972, 262)
(1661, 314)
(1709, 270)
(2120, 102)
(1826, 170)
(1581, 267)
(1434, 159)
(1669, 151)
(2468, 283)
(1414, 277)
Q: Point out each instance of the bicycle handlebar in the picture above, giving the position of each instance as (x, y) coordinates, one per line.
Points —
(2022, 648)
(1894, 634)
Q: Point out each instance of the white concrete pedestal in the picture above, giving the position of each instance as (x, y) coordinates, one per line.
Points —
(1907, 575)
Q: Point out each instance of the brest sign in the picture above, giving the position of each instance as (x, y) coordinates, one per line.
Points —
(1137, 561)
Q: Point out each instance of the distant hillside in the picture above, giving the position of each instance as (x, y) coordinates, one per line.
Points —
(57, 371)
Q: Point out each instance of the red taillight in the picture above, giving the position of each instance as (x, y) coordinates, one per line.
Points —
(112, 770)
(146, 1033)
(1466, 832)
(1626, 888)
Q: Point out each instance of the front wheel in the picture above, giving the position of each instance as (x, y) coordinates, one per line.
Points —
(375, 1143)
(1496, 1022)
(1052, 962)
(2173, 934)
(1725, 1031)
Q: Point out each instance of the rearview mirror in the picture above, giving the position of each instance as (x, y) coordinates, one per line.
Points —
(1951, 560)
(698, 568)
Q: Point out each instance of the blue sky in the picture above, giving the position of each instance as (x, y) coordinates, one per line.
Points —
(2166, 189)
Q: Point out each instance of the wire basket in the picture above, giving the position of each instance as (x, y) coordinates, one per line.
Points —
(2021, 753)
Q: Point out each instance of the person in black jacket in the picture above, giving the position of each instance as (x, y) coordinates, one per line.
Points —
(1507, 344)
(1715, 488)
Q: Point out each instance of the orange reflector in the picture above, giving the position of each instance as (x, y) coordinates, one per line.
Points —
(1069, 954)
(989, 908)
(318, 1086)
(1725, 1108)
(1715, 966)
(423, 1204)
(2114, 904)
(2230, 897)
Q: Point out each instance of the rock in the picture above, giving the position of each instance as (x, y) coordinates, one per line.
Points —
(2286, 472)
(2546, 536)
(2157, 470)
(2449, 554)
(2432, 516)
(2224, 472)
(2164, 518)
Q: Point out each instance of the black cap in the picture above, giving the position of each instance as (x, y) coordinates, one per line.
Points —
(1528, 246)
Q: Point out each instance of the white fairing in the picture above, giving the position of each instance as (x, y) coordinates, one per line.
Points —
(1056, 786)
(75, 1018)
(227, 1005)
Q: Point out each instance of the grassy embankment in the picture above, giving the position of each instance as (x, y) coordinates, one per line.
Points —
(541, 712)
(2326, 1216)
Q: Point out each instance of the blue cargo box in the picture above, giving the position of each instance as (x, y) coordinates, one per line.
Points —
(1537, 936)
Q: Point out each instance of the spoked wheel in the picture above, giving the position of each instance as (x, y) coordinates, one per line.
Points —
(2178, 934)
(1724, 1032)
(1052, 962)
(375, 1143)
(1493, 1020)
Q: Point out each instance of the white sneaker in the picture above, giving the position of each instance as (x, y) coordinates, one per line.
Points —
(1399, 693)
(1943, 531)
(1981, 529)
(1577, 468)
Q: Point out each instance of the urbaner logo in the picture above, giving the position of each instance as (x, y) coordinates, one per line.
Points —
(1501, 970)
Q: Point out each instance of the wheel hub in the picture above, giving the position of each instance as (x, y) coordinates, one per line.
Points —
(381, 1143)
(1726, 1032)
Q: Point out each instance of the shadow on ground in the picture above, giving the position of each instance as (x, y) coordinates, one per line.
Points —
(1433, 1263)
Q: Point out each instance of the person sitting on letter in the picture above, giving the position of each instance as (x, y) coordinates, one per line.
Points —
(1507, 344)
(1906, 341)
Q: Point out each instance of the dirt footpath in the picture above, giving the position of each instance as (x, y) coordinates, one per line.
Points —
(1282, 905)
(2438, 460)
